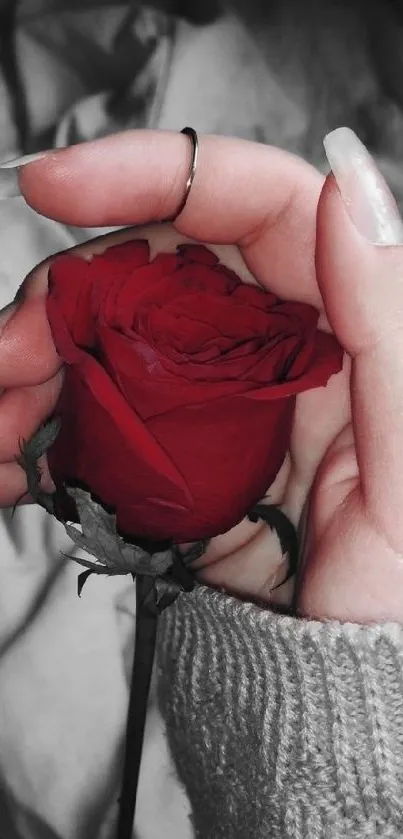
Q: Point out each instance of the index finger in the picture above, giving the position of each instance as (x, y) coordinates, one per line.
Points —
(256, 196)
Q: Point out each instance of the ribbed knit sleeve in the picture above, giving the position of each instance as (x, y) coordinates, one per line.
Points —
(282, 728)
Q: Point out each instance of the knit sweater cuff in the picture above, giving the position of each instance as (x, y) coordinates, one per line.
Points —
(279, 726)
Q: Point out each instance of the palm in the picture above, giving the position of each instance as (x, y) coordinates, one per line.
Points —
(248, 559)
(342, 536)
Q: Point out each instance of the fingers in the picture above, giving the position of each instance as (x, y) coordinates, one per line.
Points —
(259, 197)
(362, 288)
(22, 410)
(27, 352)
(263, 198)
(30, 383)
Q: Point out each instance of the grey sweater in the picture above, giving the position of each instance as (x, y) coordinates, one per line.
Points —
(282, 728)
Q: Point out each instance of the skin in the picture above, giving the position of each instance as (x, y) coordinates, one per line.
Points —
(291, 233)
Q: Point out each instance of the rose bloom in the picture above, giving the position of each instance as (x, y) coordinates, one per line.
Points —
(179, 390)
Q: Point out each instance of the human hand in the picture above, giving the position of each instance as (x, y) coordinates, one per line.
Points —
(352, 566)
(248, 559)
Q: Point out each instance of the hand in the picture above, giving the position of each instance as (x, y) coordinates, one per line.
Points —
(274, 227)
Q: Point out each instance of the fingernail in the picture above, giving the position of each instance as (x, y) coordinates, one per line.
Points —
(15, 162)
(9, 186)
(366, 195)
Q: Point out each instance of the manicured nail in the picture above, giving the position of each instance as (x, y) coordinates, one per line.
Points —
(9, 186)
(15, 162)
(366, 195)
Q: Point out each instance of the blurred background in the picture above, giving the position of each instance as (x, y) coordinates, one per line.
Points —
(282, 72)
(278, 71)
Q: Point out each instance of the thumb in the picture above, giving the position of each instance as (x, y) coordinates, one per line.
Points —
(360, 274)
(354, 542)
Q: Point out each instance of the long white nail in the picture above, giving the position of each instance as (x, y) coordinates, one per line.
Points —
(9, 186)
(16, 162)
(366, 195)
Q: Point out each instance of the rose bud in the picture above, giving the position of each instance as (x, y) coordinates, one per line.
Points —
(179, 389)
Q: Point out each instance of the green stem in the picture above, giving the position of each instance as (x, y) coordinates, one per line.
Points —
(146, 630)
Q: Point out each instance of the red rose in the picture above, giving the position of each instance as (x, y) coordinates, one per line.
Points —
(180, 383)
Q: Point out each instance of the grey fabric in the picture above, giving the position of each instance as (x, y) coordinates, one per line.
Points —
(282, 728)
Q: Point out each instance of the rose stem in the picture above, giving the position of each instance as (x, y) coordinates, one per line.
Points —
(146, 630)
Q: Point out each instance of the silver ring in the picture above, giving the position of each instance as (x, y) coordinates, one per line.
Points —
(191, 133)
